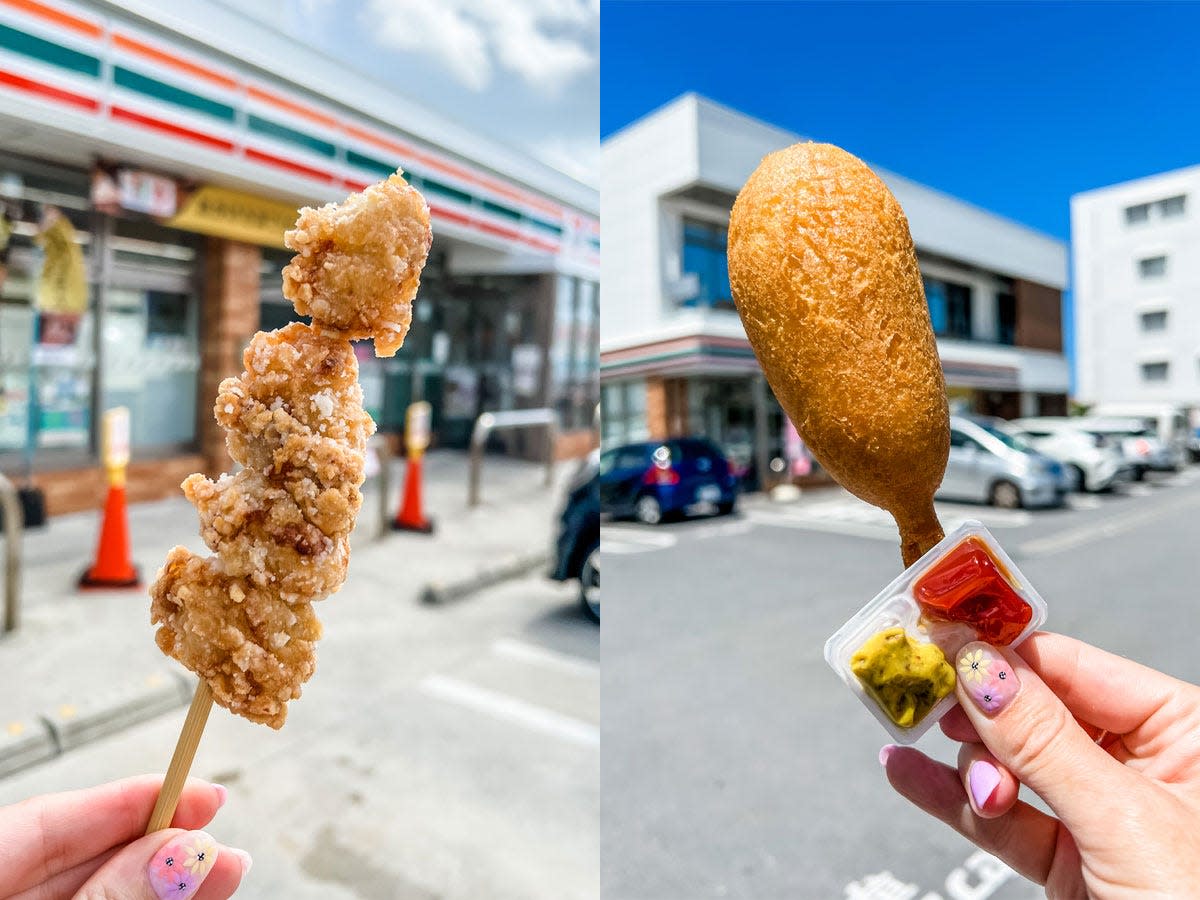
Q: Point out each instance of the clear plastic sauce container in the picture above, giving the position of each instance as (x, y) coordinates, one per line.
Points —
(898, 652)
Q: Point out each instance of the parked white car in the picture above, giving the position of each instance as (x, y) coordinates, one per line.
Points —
(1142, 447)
(1171, 423)
(1094, 459)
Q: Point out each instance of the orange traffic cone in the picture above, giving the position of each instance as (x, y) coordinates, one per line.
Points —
(113, 567)
(411, 516)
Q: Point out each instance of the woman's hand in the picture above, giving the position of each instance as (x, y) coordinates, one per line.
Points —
(88, 845)
(1127, 805)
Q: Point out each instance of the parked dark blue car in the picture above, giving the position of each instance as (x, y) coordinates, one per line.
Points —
(577, 543)
(660, 479)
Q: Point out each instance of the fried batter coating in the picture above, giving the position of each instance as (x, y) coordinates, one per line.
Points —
(253, 651)
(280, 527)
(358, 263)
(825, 277)
(243, 620)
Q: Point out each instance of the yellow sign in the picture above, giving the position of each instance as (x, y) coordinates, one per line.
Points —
(225, 213)
(62, 285)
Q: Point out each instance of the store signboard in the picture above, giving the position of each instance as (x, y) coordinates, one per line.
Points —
(147, 193)
(235, 215)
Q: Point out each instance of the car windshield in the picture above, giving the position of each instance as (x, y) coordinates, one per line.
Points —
(1009, 440)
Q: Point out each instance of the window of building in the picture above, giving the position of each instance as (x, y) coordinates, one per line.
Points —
(1138, 213)
(949, 308)
(1154, 321)
(1006, 317)
(623, 413)
(1172, 207)
(1152, 267)
(704, 258)
(1155, 371)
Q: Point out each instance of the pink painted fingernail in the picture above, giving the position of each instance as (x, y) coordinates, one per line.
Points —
(222, 794)
(987, 677)
(245, 859)
(180, 867)
(885, 752)
(983, 779)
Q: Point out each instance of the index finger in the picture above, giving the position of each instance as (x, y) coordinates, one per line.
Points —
(45, 835)
(1131, 693)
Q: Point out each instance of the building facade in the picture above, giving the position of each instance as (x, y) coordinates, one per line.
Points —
(177, 149)
(674, 358)
(1136, 279)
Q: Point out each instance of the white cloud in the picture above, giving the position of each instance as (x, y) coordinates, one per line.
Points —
(577, 156)
(547, 43)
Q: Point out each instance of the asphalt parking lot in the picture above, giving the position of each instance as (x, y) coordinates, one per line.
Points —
(735, 764)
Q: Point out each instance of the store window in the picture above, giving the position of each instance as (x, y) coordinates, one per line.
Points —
(1006, 319)
(704, 260)
(949, 308)
(150, 346)
(623, 415)
(1155, 371)
(47, 315)
(575, 351)
(1155, 320)
(1152, 267)
(1138, 213)
(1172, 207)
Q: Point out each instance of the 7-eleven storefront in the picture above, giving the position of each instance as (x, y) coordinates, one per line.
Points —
(695, 385)
(178, 166)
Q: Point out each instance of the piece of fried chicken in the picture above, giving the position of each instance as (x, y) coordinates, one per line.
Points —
(280, 527)
(358, 263)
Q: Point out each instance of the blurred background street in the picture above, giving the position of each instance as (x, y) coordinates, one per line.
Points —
(446, 750)
(736, 764)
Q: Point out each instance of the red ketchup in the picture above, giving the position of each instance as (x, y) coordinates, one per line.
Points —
(966, 585)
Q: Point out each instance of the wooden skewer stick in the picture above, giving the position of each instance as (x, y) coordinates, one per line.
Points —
(181, 762)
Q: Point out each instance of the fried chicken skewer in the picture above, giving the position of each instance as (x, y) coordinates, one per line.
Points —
(280, 527)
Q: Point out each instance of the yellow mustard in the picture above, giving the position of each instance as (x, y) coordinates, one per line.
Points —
(905, 678)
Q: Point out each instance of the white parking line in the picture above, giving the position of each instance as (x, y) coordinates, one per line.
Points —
(1083, 501)
(633, 540)
(1103, 528)
(510, 709)
(535, 655)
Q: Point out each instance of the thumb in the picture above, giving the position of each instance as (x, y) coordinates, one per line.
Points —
(1029, 730)
(168, 865)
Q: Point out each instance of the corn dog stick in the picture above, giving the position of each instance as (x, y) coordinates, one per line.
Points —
(181, 761)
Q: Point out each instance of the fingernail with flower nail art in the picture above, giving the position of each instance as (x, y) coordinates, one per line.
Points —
(987, 677)
(180, 867)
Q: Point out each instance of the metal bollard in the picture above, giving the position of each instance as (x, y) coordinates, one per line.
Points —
(384, 454)
(503, 421)
(14, 525)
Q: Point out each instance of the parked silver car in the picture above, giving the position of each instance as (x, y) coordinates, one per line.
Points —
(987, 465)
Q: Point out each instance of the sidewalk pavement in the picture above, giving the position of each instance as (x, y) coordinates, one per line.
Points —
(84, 664)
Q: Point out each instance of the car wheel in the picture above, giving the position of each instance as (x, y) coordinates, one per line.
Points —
(1078, 479)
(589, 584)
(648, 511)
(1006, 495)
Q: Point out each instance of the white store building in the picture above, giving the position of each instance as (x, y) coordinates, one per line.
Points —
(1137, 284)
(674, 358)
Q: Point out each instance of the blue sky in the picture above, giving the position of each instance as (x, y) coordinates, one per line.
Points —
(1012, 106)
